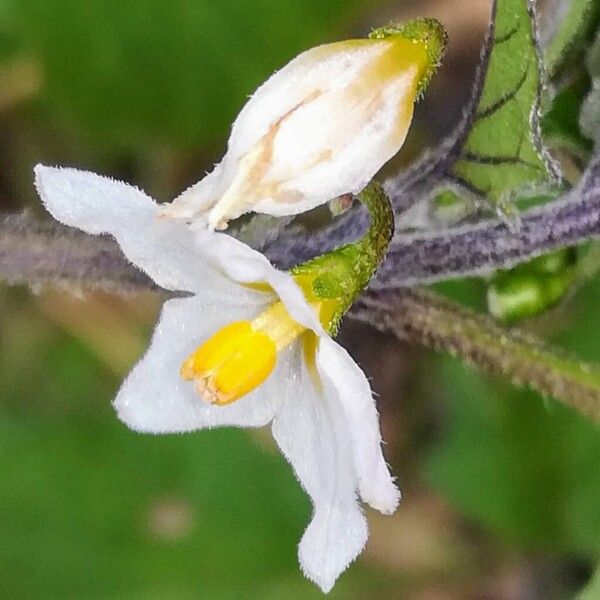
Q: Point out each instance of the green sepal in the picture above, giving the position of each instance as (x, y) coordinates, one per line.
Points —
(430, 32)
(341, 275)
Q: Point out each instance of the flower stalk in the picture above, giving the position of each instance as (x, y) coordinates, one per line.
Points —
(341, 275)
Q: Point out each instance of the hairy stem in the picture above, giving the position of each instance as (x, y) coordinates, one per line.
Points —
(376, 241)
(35, 254)
(473, 249)
(490, 245)
(420, 316)
(38, 253)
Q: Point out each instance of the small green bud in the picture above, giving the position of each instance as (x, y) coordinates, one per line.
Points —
(533, 287)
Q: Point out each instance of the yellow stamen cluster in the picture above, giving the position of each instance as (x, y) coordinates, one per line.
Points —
(240, 356)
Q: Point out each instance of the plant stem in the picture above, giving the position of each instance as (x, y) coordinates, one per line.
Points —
(437, 323)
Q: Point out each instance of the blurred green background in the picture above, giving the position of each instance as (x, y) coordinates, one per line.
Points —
(501, 488)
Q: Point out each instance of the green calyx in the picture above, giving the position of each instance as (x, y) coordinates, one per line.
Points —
(429, 32)
(335, 279)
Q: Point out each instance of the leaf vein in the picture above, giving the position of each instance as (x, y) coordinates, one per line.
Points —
(503, 100)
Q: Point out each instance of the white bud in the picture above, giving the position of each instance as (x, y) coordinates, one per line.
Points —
(319, 128)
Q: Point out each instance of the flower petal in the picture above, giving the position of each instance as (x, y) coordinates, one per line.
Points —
(322, 68)
(345, 380)
(245, 265)
(165, 250)
(197, 199)
(356, 152)
(174, 255)
(312, 436)
(154, 398)
(91, 202)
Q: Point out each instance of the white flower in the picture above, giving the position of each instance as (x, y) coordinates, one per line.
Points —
(320, 127)
(317, 399)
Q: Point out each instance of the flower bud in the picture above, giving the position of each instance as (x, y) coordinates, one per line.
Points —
(319, 128)
(533, 287)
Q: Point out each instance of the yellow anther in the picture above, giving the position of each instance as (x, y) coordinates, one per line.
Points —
(246, 369)
(240, 356)
(216, 350)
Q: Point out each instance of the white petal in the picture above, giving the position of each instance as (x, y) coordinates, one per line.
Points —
(320, 68)
(165, 250)
(313, 437)
(155, 399)
(344, 379)
(278, 95)
(359, 146)
(243, 264)
(197, 199)
(91, 202)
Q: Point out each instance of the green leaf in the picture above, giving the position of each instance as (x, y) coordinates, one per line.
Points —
(575, 23)
(503, 152)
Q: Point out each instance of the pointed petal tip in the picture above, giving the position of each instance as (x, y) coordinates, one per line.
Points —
(323, 559)
(43, 179)
(46, 179)
(324, 581)
(325, 585)
(43, 171)
(39, 168)
(384, 498)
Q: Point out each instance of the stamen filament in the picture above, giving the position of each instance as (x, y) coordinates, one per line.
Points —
(278, 325)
